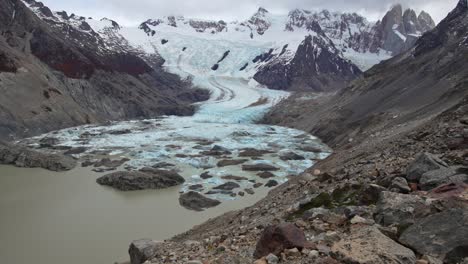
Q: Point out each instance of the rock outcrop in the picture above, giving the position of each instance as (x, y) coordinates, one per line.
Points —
(440, 235)
(366, 244)
(141, 180)
(400, 209)
(142, 250)
(26, 158)
(197, 202)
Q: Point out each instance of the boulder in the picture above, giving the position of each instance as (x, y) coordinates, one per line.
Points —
(400, 184)
(146, 178)
(227, 162)
(311, 149)
(371, 194)
(271, 183)
(291, 156)
(142, 250)
(440, 235)
(275, 239)
(259, 167)
(25, 158)
(366, 244)
(106, 162)
(423, 163)
(206, 175)
(197, 202)
(229, 186)
(401, 209)
(48, 142)
(253, 153)
(266, 175)
(234, 178)
(216, 151)
(435, 178)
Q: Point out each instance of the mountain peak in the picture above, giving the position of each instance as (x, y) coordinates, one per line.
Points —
(397, 8)
(262, 10)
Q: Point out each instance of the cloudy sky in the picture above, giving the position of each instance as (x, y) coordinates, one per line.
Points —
(135, 11)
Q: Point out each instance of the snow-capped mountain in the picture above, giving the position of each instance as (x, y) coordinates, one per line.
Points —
(270, 49)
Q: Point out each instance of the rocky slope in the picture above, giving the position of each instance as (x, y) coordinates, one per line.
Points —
(381, 184)
(68, 76)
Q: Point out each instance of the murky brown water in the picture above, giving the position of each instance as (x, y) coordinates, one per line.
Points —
(52, 218)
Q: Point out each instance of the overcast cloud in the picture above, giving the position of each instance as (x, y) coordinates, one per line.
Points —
(132, 12)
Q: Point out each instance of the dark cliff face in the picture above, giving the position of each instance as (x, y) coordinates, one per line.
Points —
(55, 76)
(399, 30)
(317, 66)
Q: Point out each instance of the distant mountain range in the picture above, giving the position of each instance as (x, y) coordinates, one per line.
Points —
(76, 70)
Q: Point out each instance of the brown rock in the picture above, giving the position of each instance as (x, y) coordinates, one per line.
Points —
(275, 239)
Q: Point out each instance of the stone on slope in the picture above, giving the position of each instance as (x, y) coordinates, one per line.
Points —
(146, 178)
(366, 244)
(423, 163)
(142, 250)
(433, 179)
(25, 158)
(401, 209)
(197, 202)
(275, 239)
(400, 185)
(440, 234)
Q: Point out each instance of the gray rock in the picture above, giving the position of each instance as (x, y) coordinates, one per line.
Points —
(291, 156)
(229, 186)
(25, 158)
(371, 194)
(433, 179)
(142, 250)
(206, 175)
(423, 163)
(48, 142)
(368, 245)
(400, 185)
(230, 162)
(272, 259)
(197, 202)
(401, 209)
(141, 180)
(259, 167)
(106, 162)
(266, 175)
(271, 183)
(439, 235)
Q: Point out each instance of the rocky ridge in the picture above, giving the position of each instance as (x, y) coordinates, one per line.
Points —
(61, 66)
